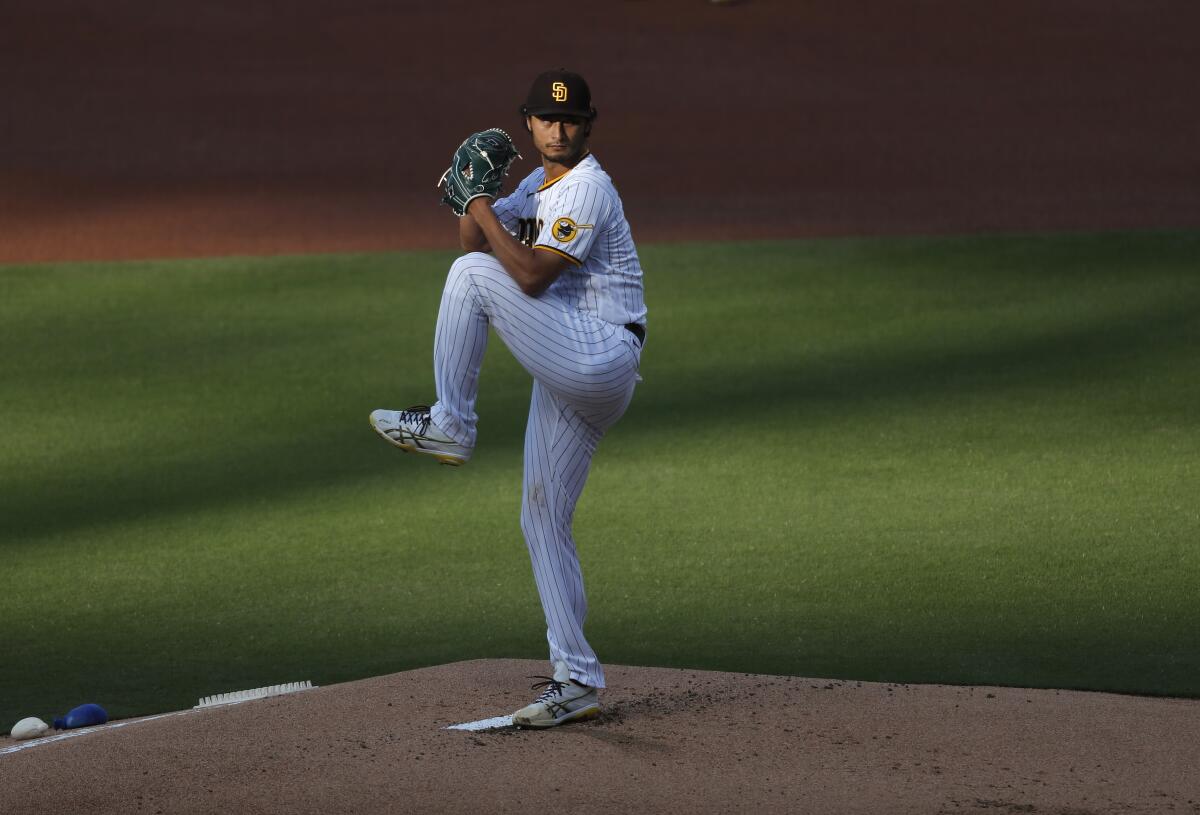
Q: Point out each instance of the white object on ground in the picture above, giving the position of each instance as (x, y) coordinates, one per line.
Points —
(209, 701)
(29, 728)
(483, 724)
(83, 731)
(254, 693)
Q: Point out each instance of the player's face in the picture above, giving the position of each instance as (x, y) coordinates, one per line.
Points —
(560, 139)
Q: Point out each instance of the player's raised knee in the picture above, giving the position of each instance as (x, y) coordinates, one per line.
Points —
(473, 264)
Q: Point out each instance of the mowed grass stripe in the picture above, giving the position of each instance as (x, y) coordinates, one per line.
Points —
(938, 460)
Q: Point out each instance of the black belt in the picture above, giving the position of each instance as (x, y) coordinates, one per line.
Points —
(638, 330)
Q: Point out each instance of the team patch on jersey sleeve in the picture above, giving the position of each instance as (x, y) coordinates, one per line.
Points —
(566, 229)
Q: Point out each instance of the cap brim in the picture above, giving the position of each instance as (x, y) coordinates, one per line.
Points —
(584, 114)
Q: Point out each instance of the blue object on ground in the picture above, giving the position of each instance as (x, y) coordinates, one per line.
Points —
(82, 716)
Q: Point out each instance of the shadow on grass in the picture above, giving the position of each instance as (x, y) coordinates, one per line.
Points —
(1060, 359)
(336, 454)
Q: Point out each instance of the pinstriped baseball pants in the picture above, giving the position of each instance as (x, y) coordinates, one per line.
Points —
(584, 371)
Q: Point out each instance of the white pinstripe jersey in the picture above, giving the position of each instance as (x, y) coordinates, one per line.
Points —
(580, 216)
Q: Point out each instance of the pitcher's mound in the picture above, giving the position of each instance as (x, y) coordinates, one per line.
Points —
(668, 741)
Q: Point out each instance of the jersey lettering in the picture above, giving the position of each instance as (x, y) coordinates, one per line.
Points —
(579, 216)
(527, 230)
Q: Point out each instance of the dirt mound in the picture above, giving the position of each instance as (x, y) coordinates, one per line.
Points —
(668, 741)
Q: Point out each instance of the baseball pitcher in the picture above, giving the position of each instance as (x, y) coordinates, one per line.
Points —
(553, 269)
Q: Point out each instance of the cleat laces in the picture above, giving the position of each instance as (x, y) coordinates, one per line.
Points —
(419, 415)
(552, 687)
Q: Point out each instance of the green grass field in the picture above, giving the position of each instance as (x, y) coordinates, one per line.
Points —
(959, 460)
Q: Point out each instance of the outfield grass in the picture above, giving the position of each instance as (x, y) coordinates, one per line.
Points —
(963, 460)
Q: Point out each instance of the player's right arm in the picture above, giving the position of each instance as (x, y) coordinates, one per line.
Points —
(532, 269)
(507, 210)
(471, 236)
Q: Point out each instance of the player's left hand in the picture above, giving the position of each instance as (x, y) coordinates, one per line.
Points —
(477, 169)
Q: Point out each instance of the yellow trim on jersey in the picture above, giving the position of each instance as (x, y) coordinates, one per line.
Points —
(552, 182)
(559, 178)
(545, 248)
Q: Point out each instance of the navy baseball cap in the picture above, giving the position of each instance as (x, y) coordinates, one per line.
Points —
(561, 92)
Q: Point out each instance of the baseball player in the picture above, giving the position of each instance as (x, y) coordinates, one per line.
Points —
(552, 268)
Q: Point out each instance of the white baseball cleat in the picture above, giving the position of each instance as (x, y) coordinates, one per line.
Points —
(564, 700)
(413, 431)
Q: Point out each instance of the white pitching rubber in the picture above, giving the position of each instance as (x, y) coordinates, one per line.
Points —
(255, 693)
(484, 724)
(29, 728)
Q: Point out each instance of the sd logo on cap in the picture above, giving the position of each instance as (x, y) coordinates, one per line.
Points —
(559, 92)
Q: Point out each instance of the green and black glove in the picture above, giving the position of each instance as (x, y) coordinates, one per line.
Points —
(477, 169)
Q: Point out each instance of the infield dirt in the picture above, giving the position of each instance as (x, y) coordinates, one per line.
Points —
(669, 741)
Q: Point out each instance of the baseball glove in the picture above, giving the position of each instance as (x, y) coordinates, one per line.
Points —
(477, 169)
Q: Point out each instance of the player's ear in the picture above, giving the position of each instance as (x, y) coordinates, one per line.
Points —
(528, 125)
